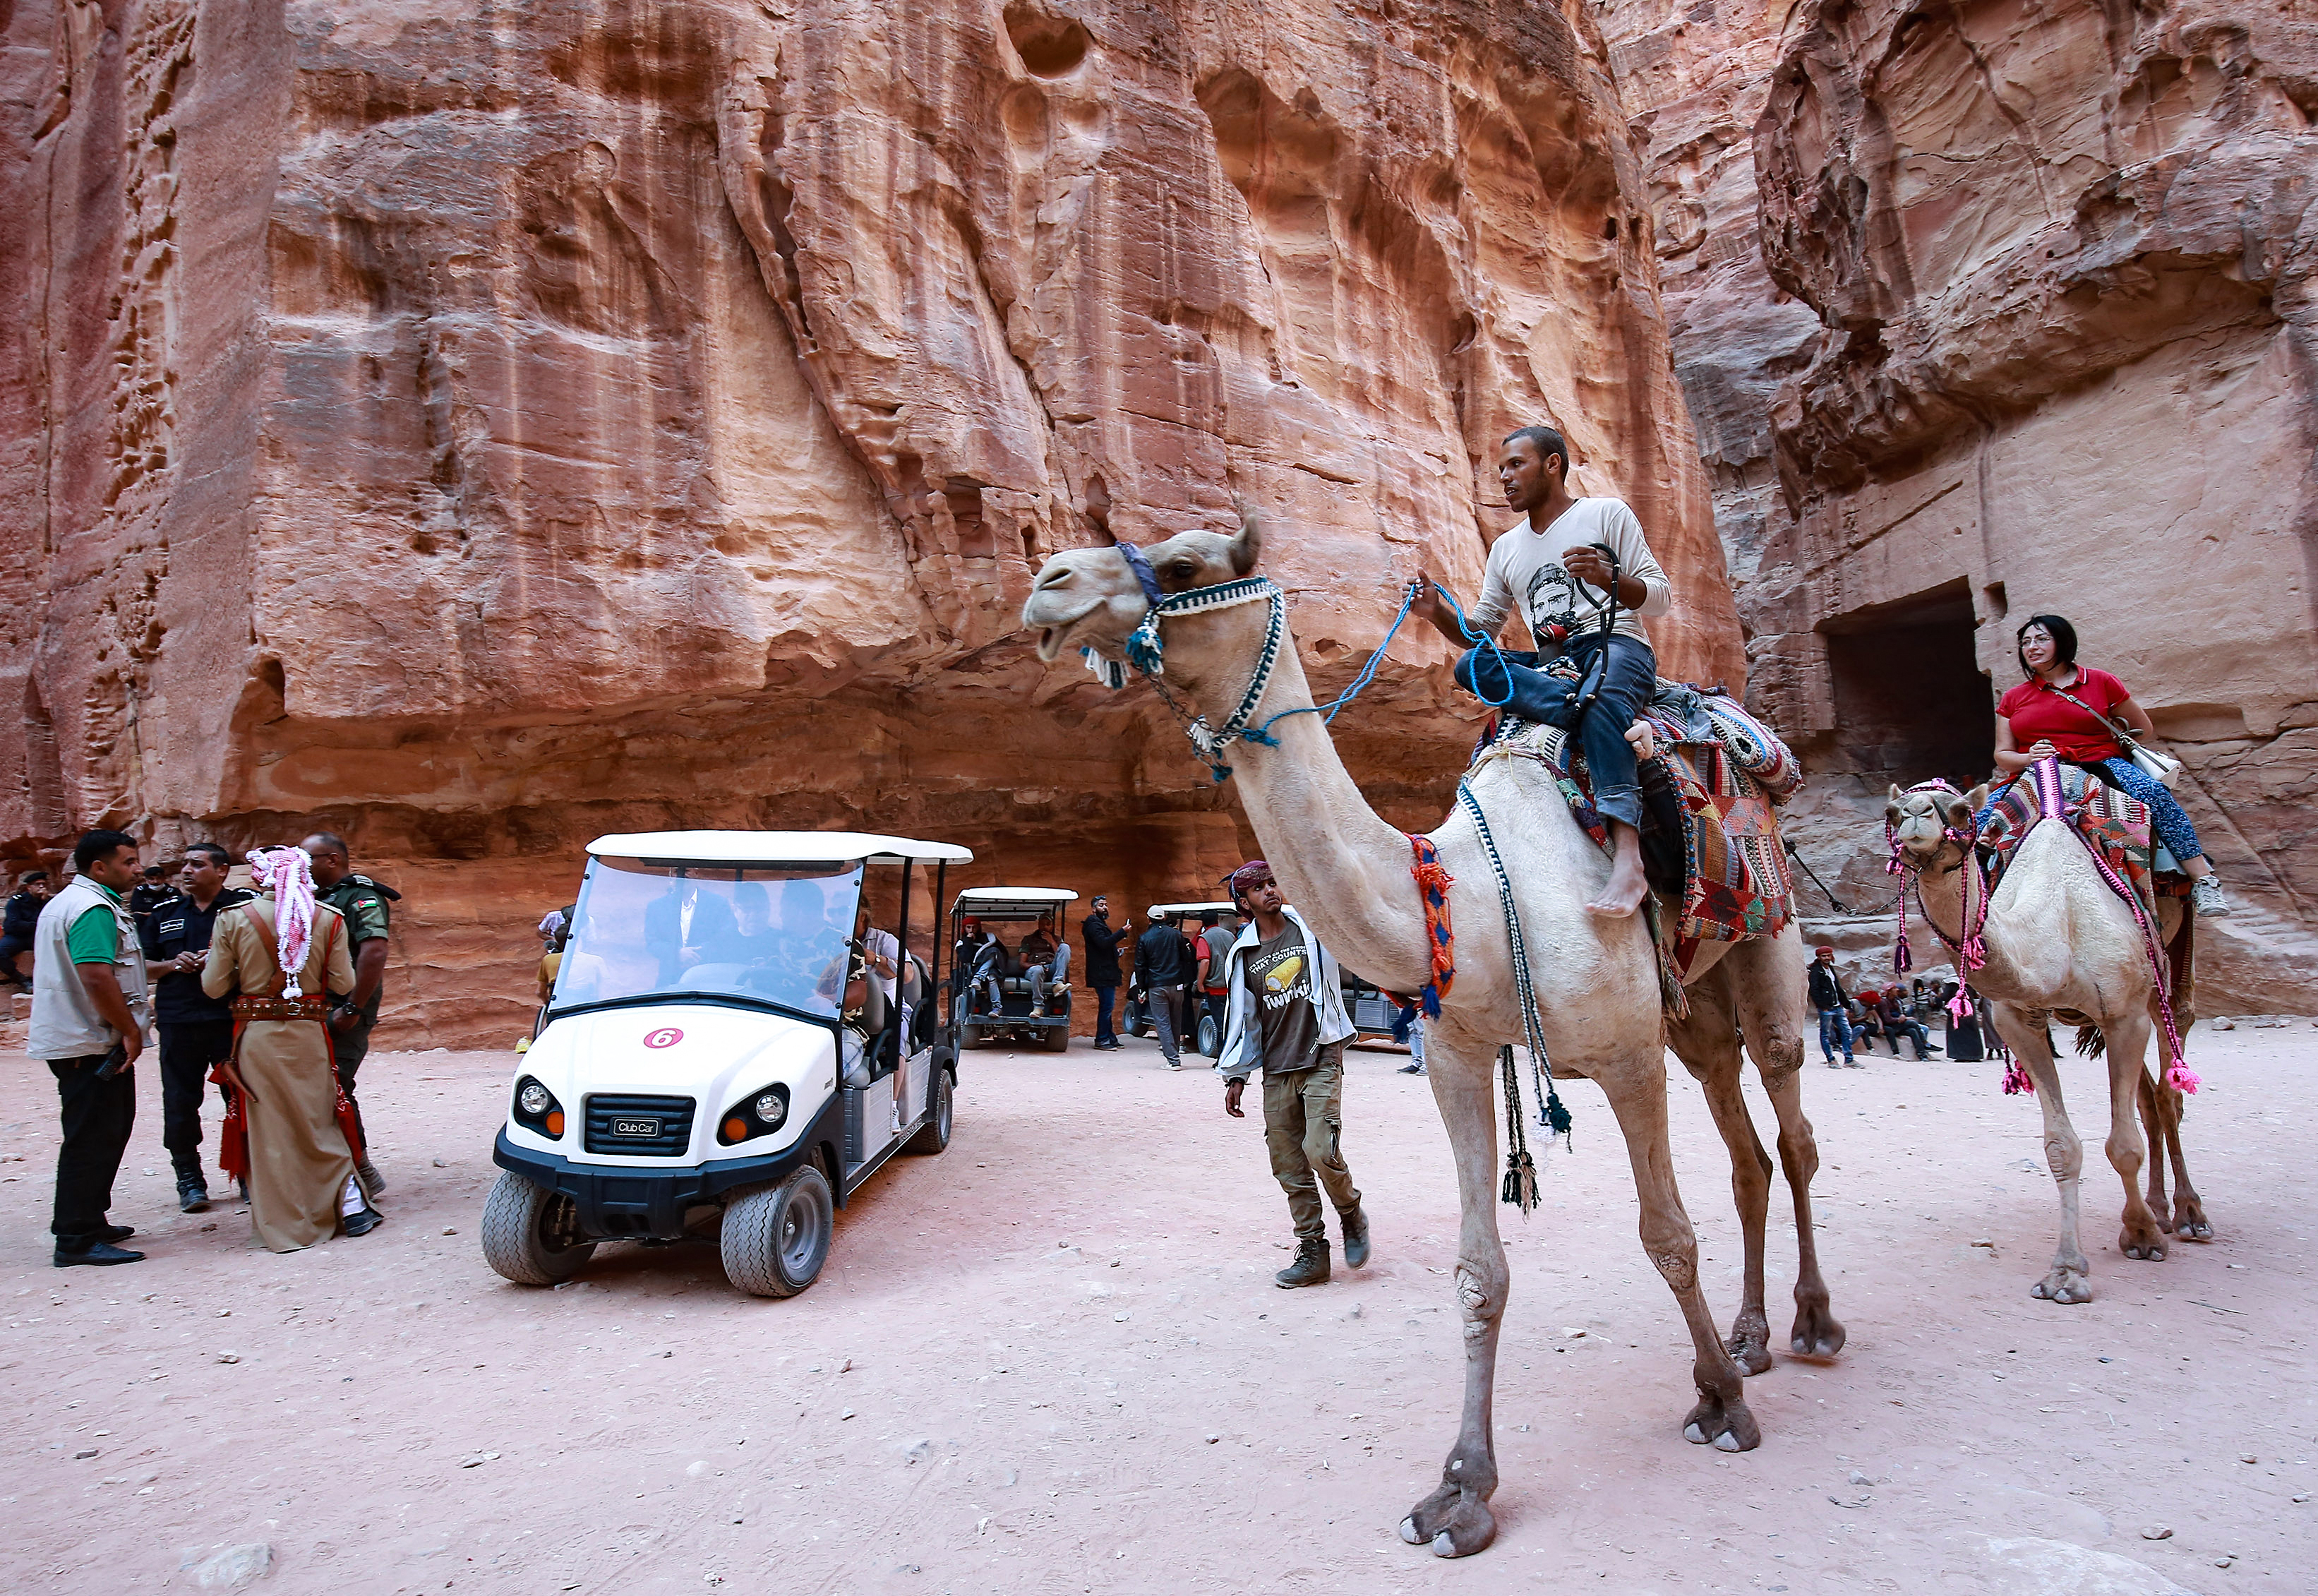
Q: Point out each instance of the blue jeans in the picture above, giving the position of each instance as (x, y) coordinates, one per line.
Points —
(1836, 1021)
(1105, 998)
(1601, 730)
(2173, 828)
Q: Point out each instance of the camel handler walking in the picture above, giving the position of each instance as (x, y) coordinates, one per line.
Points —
(1284, 1013)
(280, 957)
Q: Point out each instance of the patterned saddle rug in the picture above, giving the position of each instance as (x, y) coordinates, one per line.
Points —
(2116, 824)
(1716, 780)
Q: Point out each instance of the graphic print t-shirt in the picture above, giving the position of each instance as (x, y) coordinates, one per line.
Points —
(1525, 570)
(1280, 975)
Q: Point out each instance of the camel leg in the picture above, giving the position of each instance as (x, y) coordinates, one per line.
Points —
(1455, 1519)
(2152, 1124)
(2069, 1278)
(1817, 1332)
(1637, 1096)
(2189, 1217)
(1707, 1043)
(2128, 1044)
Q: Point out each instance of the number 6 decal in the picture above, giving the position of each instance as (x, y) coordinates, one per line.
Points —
(666, 1036)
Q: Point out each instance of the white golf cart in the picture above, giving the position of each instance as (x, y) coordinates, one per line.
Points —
(740, 1035)
(992, 997)
(1201, 1031)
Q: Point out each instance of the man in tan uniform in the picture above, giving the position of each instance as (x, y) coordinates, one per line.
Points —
(302, 1184)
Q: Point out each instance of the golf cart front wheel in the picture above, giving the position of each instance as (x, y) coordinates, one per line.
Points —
(531, 1235)
(776, 1238)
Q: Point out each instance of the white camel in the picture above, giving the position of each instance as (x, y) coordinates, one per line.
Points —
(2059, 942)
(1349, 873)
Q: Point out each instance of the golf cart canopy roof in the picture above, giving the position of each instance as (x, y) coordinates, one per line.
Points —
(1158, 910)
(1009, 903)
(769, 848)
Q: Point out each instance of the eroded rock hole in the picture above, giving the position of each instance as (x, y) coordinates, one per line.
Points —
(1050, 46)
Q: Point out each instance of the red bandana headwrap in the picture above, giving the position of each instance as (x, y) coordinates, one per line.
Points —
(1248, 877)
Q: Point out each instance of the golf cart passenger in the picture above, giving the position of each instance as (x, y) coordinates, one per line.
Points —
(1045, 961)
(991, 965)
(680, 924)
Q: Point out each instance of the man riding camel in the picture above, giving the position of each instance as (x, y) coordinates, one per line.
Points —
(1558, 565)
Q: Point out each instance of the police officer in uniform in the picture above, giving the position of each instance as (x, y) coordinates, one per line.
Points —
(196, 1029)
(363, 902)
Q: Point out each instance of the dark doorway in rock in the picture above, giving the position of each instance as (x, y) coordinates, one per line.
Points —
(1910, 702)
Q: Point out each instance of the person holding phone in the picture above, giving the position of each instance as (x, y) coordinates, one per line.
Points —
(1584, 576)
(89, 1011)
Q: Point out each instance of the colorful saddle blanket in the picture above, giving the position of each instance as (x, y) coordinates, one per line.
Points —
(2117, 824)
(1736, 882)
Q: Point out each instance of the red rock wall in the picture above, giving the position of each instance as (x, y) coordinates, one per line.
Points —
(1985, 309)
(479, 430)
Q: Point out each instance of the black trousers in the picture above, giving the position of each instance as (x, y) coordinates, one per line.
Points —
(98, 1115)
(188, 1049)
(347, 1051)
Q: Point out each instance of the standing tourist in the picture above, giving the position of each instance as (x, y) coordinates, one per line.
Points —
(2072, 713)
(89, 1011)
(1562, 565)
(195, 1030)
(280, 957)
(1287, 1018)
(1164, 957)
(1408, 1027)
(149, 894)
(1102, 944)
(362, 902)
(1219, 932)
(18, 924)
(1828, 997)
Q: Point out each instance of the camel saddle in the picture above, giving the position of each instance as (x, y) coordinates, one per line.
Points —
(2116, 822)
(1711, 844)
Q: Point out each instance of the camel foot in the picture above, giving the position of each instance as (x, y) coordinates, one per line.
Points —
(2190, 1221)
(2147, 1245)
(1454, 1521)
(2063, 1285)
(1750, 1346)
(1729, 1425)
(1818, 1333)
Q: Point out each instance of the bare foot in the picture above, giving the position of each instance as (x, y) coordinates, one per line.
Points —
(1623, 895)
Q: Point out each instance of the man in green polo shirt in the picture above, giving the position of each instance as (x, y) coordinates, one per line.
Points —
(363, 902)
(89, 1012)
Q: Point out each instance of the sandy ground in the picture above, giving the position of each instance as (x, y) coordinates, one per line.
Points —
(1053, 1361)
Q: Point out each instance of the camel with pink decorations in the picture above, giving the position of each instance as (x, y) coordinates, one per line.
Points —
(1227, 650)
(2059, 942)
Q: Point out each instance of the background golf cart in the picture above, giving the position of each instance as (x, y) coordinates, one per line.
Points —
(1201, 1032)
(1011, 912)
(717, 1089)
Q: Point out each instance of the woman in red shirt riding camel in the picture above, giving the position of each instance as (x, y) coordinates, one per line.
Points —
(2066, 711)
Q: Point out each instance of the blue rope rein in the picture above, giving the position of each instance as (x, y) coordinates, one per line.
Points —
(1328, 711)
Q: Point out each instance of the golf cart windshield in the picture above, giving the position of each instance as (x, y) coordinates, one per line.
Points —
(768, 932)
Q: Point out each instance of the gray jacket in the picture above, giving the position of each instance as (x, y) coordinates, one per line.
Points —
(64, 1024)
(1242, 1052)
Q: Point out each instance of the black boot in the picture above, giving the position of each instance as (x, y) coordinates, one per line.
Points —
(192, 1195)
(1356, 1237)
(1310, 1268)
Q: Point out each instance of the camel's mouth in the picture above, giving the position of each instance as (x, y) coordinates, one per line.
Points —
(1055, 629)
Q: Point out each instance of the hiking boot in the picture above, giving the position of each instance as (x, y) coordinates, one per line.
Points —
(2206, 896)
(372, 1181)
(1310, 1268)
(192, 1195)
(1356, 1237)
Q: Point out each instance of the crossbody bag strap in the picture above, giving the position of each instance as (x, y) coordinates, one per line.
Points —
(281, 982)
(2123, 736)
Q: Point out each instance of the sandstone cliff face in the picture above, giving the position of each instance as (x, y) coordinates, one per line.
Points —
(2019, 318)
(479, 430)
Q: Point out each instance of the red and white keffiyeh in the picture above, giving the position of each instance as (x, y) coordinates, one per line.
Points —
(289, 875)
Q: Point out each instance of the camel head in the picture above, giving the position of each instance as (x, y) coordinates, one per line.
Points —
(1090, 598)
(1920, 818)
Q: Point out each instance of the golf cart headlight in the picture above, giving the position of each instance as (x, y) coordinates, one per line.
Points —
(533, 1099)
(760, 1114)
(771, 1108)
(535, 1109)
